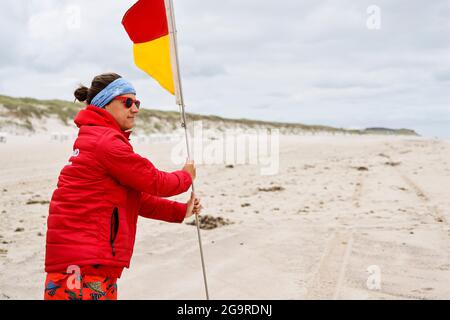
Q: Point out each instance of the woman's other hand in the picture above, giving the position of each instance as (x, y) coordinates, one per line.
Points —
(193, 206)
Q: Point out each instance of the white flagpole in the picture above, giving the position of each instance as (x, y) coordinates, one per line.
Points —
(180, 102)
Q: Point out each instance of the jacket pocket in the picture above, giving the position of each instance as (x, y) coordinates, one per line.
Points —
(114, 229)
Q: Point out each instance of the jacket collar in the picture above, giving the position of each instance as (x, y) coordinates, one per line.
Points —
(95, 116)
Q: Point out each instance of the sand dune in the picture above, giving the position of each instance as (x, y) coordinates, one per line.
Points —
(347, 217)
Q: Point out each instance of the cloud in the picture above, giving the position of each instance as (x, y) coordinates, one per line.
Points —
(443, 75)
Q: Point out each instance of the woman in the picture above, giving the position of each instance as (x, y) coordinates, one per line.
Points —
(100, 193)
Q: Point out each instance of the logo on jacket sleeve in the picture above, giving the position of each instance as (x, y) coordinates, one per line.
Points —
(75, 153)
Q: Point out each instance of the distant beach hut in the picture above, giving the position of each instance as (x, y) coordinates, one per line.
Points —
(64, 137)
(141, 138)
(54, 136)
(3, 137)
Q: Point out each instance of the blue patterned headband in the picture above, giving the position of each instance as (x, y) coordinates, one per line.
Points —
(116, 88)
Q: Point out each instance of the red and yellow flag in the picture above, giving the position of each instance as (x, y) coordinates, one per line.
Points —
(146, 24)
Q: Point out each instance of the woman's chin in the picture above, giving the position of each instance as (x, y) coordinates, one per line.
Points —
(129, 125)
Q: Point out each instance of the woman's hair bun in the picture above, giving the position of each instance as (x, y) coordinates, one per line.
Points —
(81, 93)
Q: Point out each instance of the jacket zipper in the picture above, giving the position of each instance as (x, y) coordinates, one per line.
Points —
(114, 229)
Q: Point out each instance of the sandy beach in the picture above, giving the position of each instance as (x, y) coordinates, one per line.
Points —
(346, 217)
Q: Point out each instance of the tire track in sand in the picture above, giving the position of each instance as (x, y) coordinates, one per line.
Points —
(359, 188)
(433, 210)
(329, 276)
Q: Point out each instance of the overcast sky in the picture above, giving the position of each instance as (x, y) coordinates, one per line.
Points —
(341, 63)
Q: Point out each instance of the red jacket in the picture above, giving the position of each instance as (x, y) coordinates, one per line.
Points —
(100, 193)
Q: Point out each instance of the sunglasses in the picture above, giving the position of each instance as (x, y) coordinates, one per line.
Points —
(128, 102)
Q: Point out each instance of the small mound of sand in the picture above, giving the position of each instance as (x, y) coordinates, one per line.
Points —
(38, 202)
(208, 222)
(392, 163)
(36, 199)
(271, 189)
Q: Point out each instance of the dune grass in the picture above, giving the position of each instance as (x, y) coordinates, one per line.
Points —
(20, 112)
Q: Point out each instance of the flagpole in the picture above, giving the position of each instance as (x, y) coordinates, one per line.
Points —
(180, 103)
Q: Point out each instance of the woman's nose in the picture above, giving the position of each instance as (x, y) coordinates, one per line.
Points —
(134, 109)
